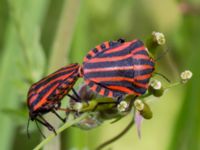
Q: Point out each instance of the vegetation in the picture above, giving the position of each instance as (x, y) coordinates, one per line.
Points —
(38, 37)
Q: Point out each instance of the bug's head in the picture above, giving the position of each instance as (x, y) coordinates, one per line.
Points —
(32, 117)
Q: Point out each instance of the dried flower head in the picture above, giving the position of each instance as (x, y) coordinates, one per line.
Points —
(159, 38)
(157, 85)
(186, 75)
(122, 106)
(78, 106)
(139, 105)
(91, 121)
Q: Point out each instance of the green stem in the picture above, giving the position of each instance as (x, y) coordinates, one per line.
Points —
(61, 129)
(117, 136)
(173, 85)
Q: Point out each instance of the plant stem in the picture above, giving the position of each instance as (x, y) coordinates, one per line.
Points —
(173, 85)
(117, 136)
(61, 129)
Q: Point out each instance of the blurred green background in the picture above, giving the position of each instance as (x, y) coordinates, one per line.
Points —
(39, 36)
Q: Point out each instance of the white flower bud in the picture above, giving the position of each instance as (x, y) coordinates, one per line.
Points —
(159, 38)
(77, 106)
(122, 106)
(139, 105)
(157, 85)
(186, 75)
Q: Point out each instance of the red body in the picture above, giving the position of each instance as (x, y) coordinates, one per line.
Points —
(48, 92)
(117, 68)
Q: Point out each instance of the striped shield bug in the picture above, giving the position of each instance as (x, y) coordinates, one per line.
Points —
(45, 95)
(117, 68)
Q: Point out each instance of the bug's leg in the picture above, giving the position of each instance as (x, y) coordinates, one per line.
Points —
(62, 119)
(36, 122)
(67, 112)
(131, 103)
(48, 125)
(119, 99)
(76, 94)
(72, 97)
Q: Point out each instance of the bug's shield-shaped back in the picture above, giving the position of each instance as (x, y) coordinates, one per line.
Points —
(118, 70)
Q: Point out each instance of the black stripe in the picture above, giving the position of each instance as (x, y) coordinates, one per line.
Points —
(126, 84)
(143, 72)
(113, 44)
(106, 92)
(103, 46)
(49, 79)
(115, 93)
(95, 50)
(90, 84)
(120, 63)
(88, 56)
(118, 73)
(66, 82)
(67, 67)
(43, 93)
(123, 52)
(143, 52)
(30, 96)
(145, 81)
(98, 89)
(118, 93)
(143, 62)
(121, 40)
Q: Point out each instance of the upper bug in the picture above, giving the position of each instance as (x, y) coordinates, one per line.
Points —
(116, 68)
(45, 95)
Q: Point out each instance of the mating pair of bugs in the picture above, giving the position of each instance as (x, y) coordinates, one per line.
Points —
(111, 69)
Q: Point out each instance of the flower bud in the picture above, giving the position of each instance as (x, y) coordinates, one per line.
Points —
(139, 105)
(122, 106)
(186, 75)
(77, 106)
(159, 38)
(143, 108)
(156, 88)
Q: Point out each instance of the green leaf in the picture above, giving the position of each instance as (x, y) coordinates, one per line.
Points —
(20, 42)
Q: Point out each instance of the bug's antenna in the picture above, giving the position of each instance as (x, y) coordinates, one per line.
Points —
(40, 129)
(27, 128)
(162, 54)
(164, 77)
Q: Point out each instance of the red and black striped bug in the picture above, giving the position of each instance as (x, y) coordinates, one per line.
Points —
(117, 68)
(45, 95)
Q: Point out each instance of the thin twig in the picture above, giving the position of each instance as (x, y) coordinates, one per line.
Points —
(117, 136)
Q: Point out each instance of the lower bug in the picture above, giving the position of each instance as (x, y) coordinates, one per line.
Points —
(45, 95)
